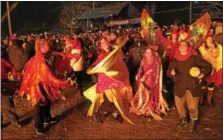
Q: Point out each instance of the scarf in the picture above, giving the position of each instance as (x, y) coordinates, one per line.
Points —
(180, 57)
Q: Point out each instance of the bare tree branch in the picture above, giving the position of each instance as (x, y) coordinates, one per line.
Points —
(216, 3)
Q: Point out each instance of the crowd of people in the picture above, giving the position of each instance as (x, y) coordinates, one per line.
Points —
(128, 74)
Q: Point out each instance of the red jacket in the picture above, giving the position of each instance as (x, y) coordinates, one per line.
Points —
(5, 68)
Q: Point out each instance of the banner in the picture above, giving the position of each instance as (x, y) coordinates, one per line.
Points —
(200, 27)
(118, 22)
(147, 27)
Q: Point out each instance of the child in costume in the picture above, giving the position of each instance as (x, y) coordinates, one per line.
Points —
(40, 86)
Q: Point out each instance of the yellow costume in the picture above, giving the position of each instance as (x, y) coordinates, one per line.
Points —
(213, 56)
(114, 67)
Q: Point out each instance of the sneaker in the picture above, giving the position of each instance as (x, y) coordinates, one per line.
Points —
(98, 117)
(51, 120)
(183, 122)
(39, 131)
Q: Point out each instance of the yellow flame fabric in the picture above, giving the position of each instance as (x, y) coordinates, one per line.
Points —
(200, 27)
(114, 67)
(146, 23)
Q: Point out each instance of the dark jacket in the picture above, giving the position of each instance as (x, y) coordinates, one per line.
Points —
(29, 52)
(183, 80)
(15, 55)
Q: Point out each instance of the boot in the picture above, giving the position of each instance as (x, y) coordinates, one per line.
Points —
(193, 125)
(117, 117)
(210, 98)
(98, 117)
(183, 122)
(201, 101)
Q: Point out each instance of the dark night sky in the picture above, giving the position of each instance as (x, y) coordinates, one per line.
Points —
(32, 12)
(47, 11)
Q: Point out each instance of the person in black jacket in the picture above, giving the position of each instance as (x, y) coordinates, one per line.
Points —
(187, 88)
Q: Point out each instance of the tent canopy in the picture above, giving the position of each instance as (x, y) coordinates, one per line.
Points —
(103, 12)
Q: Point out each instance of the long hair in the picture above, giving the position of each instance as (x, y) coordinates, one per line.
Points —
(144, 59)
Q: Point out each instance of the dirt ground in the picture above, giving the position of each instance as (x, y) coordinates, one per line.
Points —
(74, 124)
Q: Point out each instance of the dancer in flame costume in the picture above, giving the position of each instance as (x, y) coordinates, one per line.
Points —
(113, 81)
(148, 99)
(40, 86)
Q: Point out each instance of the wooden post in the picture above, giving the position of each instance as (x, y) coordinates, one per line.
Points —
(71, 24)
(87, 25)
(93, 5)
(190, 12)
(9, 18)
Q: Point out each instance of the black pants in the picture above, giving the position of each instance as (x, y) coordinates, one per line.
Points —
(42, 114)
(80, 75)
(42, 110)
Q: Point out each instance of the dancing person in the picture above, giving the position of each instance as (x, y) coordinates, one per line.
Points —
(148, 99)
(187, 88)
(41, 87)
(112, 88)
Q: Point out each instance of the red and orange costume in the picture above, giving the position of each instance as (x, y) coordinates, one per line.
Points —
(37, 73)
(148, 99)
(72, 59)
